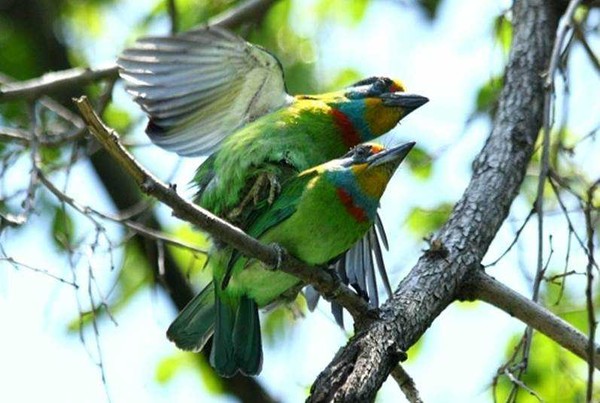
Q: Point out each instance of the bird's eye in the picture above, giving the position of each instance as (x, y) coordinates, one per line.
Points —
(361, 152)
(382, 84)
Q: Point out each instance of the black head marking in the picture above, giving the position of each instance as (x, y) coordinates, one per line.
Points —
(370, 87)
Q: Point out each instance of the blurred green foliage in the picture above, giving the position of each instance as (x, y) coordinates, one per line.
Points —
(486, 101)
(170, 366)
(191, 262)
(420, 163)
(62, 229)
(554, 374)
(423, 222)
(503, 32)
(343, 11)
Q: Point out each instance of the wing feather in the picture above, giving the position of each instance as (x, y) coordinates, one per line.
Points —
(200, 86)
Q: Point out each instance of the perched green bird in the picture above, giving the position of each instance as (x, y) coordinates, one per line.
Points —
(318, 215)
(209, 92)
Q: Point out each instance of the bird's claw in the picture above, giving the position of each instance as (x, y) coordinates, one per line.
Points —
(280, 251)
(274, 187)
(254, 194)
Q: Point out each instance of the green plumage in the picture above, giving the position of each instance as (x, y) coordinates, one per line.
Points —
(313, 222)
(209, 92)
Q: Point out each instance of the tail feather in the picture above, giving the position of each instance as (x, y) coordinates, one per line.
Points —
(222, 357)
(196, 322)
(246, 338)
(237, 344)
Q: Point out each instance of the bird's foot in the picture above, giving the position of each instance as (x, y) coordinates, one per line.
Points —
(264, 180)
(274, 187)
(280, 251)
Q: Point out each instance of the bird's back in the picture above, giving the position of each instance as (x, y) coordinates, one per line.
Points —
(299, 136)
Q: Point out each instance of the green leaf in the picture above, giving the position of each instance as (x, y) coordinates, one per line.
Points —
(18, 57)
(419, 162)
(50, 155)
(423, 222)
(191, 262)
(487, 96)
(414, 350)
(346, 12)
(503, 32)
(278, 321)
(168, 367)
(62, 229)
(117, 118)
(554, 373)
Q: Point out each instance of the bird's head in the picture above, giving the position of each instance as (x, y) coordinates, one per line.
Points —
(375, 105)
(373, 165)
(361, 176)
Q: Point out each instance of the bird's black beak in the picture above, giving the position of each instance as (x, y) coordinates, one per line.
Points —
(393, 156)
(408, 102)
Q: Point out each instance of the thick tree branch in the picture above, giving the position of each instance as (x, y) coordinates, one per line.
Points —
(329, 286)
(359, 369)
(481, 286)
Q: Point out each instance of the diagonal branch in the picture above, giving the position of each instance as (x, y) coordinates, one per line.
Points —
(329, 286)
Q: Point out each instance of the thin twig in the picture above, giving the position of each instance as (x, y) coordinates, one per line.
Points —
(586, 46)
(16, 264)
(548, 115)
(554, 177)
(515, 239)
(56, 81)
(141, 229)
(589, 225)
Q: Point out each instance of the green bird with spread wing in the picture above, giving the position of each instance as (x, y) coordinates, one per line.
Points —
(209, 92)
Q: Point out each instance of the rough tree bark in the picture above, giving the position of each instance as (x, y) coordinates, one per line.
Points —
(358, 370)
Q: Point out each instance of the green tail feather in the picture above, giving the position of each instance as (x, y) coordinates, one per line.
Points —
(222, 356)
(246, 338)
(237, 342)
(196, 322)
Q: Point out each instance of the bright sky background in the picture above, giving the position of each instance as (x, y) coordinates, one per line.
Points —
(447, 61)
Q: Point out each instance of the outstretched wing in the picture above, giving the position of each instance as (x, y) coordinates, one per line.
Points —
(200, 86)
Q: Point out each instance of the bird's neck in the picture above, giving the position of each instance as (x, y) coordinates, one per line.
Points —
(358, 203)
(349, 117)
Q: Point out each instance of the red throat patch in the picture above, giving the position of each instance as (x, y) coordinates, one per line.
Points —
(355, 211)
(349, 134)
